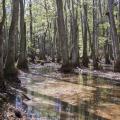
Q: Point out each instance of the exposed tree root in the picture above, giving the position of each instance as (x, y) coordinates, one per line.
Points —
(68, 68)
(117, 66)
(23, 65)
(85, 61)
(2, 86)
(12, 77)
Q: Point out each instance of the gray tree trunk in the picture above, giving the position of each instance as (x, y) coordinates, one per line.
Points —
(85, 29)
(22, 61)
(75, 37)
(54, 41)
(2, 86)
(95, 39)
(62, 35)
(10, 69)
(115, 37)
(31, 23)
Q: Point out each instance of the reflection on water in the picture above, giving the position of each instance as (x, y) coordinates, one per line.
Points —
(18, 102)
(58, 105)
(30, 111)
(73, 97)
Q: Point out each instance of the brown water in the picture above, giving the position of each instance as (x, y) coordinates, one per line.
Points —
(56, 96)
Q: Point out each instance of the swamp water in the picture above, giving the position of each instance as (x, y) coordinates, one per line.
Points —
(57, 96)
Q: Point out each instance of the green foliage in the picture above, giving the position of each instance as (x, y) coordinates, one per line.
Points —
(105, 25)
(44, 14)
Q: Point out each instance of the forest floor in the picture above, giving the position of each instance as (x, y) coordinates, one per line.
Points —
(72, 89)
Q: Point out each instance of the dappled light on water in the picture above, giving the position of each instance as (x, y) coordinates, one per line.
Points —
(58, 96)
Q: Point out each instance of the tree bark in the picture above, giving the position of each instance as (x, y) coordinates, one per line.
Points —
(2, 84)
(31, 24)
(94, 49)
(75, 37)
(85, 55)
(10, 69)
(22, 61)
(62, 36)
(115, 37)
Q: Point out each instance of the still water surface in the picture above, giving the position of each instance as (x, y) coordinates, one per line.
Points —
(57, 96)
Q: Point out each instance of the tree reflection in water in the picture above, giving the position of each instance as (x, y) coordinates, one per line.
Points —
(30, 112)
(58, 105)
(18, 102)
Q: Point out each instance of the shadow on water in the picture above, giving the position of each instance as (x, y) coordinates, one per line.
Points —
(61, 111)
